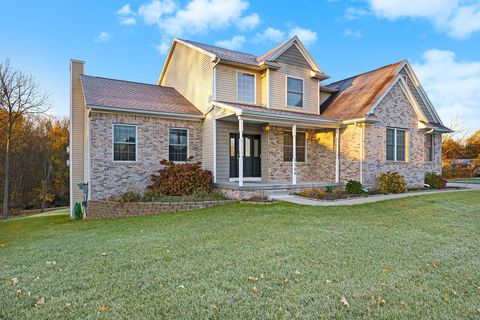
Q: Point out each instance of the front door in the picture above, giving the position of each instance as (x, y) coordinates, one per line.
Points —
(251, 155)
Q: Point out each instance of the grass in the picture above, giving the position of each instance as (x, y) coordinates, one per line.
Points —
(419, 255)
(465, 180)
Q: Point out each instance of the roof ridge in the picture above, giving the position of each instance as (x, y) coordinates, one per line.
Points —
(269, 52)
(129, 81)
(367, 72)
(218, 47)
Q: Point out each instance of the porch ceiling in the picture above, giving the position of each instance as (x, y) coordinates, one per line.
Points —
(257, 114)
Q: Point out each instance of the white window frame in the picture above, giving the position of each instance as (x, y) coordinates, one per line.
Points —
(433, 148)
(237, 72)
(286, 91)
(113, 142)
(306, 144)
(395, 144)
(188, 142)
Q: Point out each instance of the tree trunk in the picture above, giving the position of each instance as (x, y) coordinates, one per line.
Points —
(7, 175)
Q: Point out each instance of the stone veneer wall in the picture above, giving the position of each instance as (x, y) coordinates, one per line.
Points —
(320, 157)
(395, 111)
(110, 209)
(110, 178)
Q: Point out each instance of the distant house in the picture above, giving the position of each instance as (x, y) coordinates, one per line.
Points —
(256, 122)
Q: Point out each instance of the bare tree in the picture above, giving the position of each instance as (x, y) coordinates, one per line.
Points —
(20, 96)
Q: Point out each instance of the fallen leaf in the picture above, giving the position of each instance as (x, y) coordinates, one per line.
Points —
(19, 293)
(252, 278)
(345, 302)
(285, 281)
(37, 278)
(297, 273)
(104, 254)
(328, 281)
(434, 265)
(103, 309)
(181, 286)
(2, 245)
(387, 269)
(215, 307)
(51, 263)
(14, 281)
(67, 304)
(40, 301)
(254, 289)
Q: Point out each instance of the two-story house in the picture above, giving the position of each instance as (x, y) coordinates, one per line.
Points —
(258, 123)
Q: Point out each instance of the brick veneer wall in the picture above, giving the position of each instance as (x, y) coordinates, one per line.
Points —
(396, 111)
(320, 157)
(109, 209)
(109, 178)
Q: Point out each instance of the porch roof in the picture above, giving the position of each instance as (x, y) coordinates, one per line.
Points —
(262, 114)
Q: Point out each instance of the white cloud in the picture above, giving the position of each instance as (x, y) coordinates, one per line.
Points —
(270, 35)
(452, 85)
(155, 11)
(307, 36)
(233, 44)
(103, 37)
(353, 13)
(353, 33)
(163, 47)
(248, 22)
(458, 18)
(125, 11)
(126, 16)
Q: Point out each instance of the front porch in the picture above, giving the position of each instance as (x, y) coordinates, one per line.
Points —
(267, 189)
(262, 153)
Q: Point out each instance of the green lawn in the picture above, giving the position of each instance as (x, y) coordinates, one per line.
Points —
(412, 258)
(466, 180)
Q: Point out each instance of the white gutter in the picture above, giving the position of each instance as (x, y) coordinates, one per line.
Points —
(146, 112)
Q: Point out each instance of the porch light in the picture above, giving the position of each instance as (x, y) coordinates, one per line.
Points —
(266, 129)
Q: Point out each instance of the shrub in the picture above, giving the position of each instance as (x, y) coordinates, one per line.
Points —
(77, 211)
(319, 194)
(392, 182)
(435, 181)
(354, 187)
(129, 196)
(450, 171)
(329, 189)
(178, 179)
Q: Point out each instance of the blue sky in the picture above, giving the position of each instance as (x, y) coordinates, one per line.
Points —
(128, 39)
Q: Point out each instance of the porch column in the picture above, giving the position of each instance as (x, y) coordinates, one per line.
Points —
(240, 151)
(337, 155)
(294, 156)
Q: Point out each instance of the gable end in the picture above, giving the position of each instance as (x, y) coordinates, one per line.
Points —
(293, 56)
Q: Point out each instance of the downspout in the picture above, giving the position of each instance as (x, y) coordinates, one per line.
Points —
(214, 91)
(361, 152)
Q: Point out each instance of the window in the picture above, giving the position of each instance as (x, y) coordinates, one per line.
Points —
(246, 87)
(429, 143)
(288, 146)
(124, 143)
(396, 144)
(177, 144)
(294, 92)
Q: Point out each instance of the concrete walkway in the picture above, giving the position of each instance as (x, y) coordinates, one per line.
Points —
(370, 199)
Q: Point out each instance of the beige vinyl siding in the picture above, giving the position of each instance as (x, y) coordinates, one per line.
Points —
(224, 128)
(208, 134)
(227, 83)
(294, 57)
(77, 131)
(190, 73)
(278, 93)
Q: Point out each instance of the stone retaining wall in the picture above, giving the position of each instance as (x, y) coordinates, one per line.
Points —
(109, 209)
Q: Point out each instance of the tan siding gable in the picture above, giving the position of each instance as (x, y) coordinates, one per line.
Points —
(294, 57)
(278, 94)
(227, 83)
(190, 73)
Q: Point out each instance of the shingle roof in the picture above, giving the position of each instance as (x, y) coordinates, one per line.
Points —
(226, 54)
(120, 94)
(357, 94)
